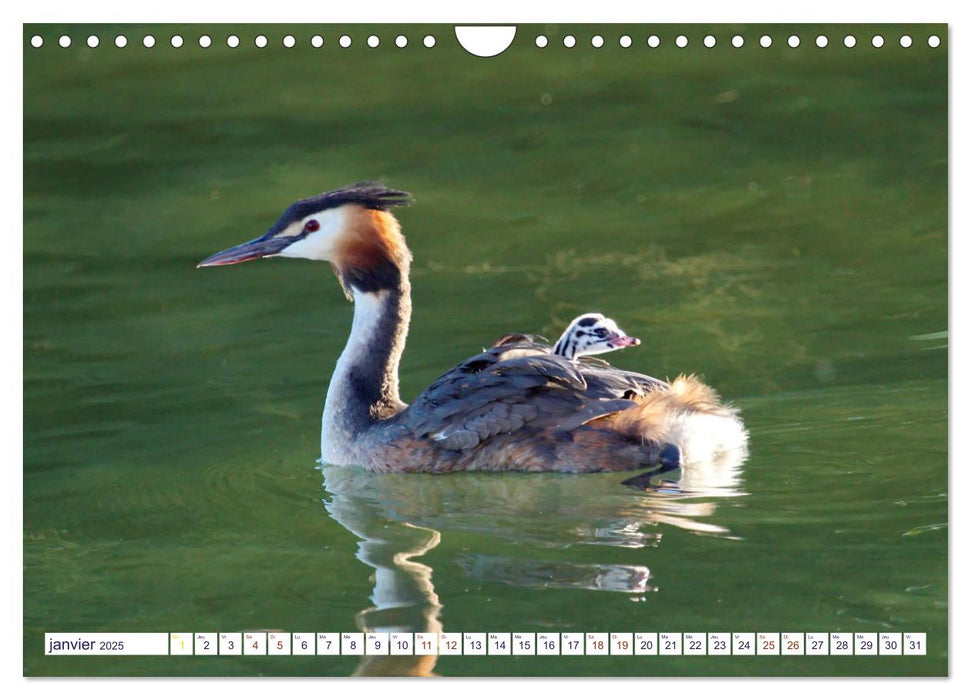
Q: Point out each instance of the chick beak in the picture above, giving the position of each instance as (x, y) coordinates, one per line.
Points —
(624, 341)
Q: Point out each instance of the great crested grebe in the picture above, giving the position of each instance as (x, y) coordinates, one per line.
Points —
(588, 334)
(592, 334)
(516, 406)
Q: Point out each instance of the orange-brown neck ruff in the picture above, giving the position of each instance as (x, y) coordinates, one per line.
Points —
(371, 255)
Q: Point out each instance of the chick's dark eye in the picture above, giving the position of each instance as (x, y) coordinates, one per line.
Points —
(311, 226)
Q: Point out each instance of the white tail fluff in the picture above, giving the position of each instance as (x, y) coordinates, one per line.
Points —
(689, 414)
(705, 437)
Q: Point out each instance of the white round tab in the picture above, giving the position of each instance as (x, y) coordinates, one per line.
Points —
(485, 41)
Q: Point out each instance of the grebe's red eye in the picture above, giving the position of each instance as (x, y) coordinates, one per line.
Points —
(311, 226)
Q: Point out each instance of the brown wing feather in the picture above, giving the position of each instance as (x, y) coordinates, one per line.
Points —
(590, 448)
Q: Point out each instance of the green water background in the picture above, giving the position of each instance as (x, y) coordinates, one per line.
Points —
(772, 219)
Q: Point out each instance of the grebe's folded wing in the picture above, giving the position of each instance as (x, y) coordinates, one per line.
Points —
(506, 388)
(603, 378)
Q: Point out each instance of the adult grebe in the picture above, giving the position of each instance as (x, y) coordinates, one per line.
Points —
(516, 406)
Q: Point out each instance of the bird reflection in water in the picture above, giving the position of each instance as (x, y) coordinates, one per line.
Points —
(398, 518)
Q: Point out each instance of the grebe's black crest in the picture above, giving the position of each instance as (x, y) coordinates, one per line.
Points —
(370, 195)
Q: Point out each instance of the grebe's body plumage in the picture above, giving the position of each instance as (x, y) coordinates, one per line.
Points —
(517, 406)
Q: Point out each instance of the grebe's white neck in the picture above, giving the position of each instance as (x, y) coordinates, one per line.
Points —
(364, 386)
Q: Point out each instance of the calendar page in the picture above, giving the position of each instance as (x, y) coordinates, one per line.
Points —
(560, 349)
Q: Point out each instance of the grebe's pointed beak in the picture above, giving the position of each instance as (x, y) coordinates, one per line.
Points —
(262, 247)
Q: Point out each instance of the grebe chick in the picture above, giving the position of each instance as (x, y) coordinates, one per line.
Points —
(592, 334)
(515, 406)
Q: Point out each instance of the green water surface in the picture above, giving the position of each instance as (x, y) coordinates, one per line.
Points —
(774, 220)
